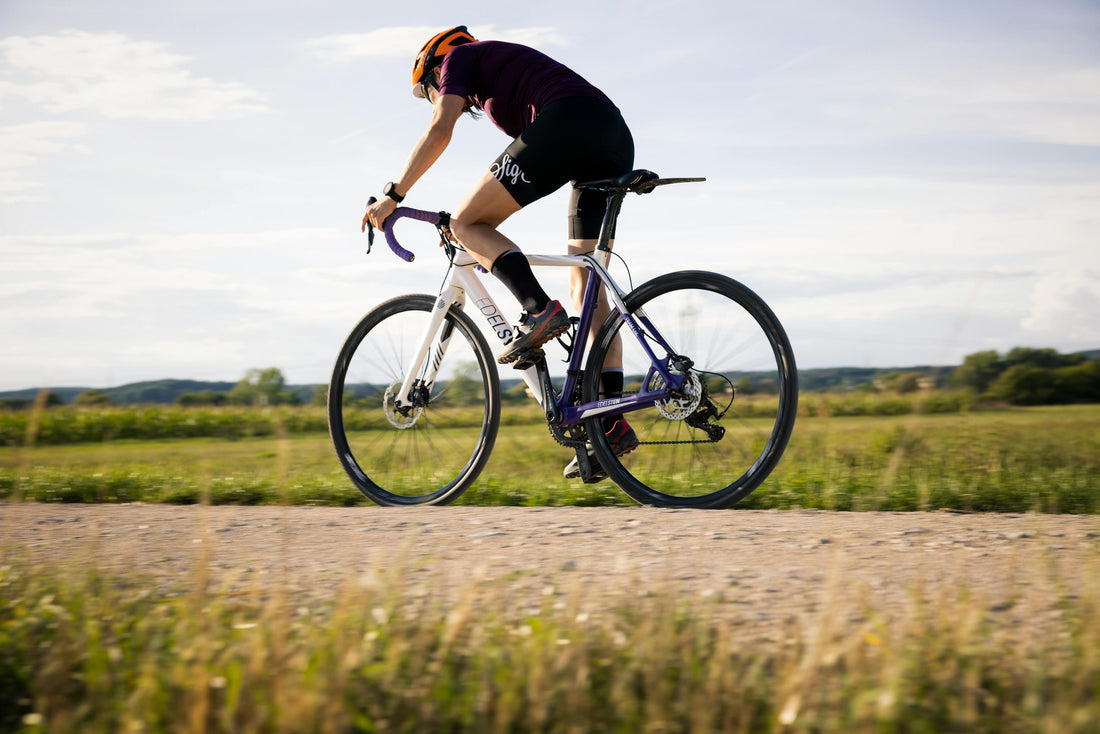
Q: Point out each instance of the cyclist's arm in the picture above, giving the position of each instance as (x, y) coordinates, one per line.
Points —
(433, 142)
(448, 108)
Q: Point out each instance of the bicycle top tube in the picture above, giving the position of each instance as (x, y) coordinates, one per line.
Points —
(639, 181)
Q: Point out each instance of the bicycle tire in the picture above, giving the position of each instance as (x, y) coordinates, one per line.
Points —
(676, 464)
(433, 453)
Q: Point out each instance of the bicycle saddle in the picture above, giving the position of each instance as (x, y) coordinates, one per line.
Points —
(640, 181)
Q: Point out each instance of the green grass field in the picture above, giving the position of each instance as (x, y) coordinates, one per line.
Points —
(1007, 460)
(83, 652)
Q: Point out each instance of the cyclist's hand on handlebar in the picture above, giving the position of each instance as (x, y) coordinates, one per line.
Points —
(377, 212)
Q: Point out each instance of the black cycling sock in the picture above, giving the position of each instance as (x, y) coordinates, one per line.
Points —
(611, 386)
(513, 270)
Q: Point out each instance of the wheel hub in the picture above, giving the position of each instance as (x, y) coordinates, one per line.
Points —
(681, 403)
(399, 417)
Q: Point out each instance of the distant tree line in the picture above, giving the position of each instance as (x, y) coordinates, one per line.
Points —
(1021, 376)
(1026, 376)
(258, 387)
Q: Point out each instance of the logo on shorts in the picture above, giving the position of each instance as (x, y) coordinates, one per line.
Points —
(507, 168)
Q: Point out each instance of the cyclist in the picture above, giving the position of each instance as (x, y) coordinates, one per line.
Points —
(563, 129)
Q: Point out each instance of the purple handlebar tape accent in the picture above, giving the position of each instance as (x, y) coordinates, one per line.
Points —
(402, 213)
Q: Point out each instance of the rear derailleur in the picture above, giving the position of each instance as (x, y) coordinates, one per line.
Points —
(702, 417)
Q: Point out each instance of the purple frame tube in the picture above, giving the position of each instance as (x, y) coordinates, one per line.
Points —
(573, 414)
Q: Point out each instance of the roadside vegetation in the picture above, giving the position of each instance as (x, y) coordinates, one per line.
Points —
(83, 652)
(852, 452)
(966, 440)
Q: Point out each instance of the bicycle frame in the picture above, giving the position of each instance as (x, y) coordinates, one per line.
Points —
(687, 459)
(464, 282)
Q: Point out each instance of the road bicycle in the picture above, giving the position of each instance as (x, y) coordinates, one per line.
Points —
(414, 403)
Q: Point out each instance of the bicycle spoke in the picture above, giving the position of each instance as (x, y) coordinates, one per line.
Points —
(430, 450)
(729, 335)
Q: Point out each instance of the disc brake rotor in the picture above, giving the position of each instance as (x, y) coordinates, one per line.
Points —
(403, 418)
(679, 406)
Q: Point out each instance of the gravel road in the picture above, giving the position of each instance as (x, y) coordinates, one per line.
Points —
(763, 567)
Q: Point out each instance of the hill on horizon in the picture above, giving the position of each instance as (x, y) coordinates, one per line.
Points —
(168, 390)
(160, 392)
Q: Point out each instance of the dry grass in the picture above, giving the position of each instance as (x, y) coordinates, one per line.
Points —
(81, 652)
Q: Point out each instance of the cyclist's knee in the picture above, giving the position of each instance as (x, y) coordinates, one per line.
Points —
(460, 225)
(488, 205)
(466, 227)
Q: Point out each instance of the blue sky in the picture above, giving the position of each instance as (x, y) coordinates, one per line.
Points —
(181, 183)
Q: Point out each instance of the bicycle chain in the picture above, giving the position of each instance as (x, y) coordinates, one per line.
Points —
(559, 434)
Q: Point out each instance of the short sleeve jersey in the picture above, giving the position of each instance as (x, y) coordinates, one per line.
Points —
(510, 82)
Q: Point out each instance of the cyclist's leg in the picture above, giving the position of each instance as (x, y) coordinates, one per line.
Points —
(609, 152)
(475, 221)
(578, 282)
(475, 225)
(527, 170)
(611, 373)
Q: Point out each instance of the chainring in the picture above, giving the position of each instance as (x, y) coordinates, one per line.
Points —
(571, 437)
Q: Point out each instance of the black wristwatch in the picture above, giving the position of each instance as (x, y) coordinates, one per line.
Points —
(390, 191)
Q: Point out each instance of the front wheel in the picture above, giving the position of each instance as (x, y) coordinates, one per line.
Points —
(719, 436)
(431, 448)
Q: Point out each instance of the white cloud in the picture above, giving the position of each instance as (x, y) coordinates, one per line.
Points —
(405, 41)
(20, 148)
(989, 96)
(381, 43)
(1067, 303)
(119, 78)
(537, 37)
(890, 77)
(130, 306)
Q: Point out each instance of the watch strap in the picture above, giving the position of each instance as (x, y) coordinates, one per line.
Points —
(390, 191)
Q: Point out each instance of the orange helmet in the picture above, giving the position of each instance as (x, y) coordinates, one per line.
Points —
(432, 53)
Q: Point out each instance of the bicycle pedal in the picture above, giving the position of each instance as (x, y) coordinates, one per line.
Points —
(590, 470)
(528, 359)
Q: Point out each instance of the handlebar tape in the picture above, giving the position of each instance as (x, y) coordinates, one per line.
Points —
(402, 213)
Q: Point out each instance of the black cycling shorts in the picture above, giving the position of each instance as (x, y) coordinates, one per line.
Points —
(572, 139)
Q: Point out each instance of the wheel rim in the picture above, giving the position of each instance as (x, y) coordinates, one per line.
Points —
(745, 374)
(431, 452)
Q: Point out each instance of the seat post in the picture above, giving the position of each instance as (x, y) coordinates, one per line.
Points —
(610, 216)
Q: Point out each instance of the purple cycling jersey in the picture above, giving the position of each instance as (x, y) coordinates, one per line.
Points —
(510, 82)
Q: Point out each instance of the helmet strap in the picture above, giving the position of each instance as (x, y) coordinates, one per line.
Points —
(429, 81)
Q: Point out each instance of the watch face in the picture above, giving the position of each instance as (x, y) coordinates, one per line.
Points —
(388, 190)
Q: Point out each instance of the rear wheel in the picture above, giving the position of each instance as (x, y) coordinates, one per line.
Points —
(432, 449)
(719, 436)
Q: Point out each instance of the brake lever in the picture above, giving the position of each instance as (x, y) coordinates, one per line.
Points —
(370, 227)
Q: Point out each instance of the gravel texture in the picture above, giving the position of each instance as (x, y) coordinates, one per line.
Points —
(761, 567)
